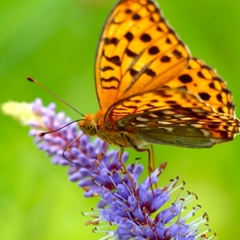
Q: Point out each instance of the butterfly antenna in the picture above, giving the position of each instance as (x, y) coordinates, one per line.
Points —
(41, 134)
(53, 94)
(66, 148)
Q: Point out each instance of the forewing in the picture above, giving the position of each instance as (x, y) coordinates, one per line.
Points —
(137, 52)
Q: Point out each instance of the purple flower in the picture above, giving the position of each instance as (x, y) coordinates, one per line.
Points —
(139, 210)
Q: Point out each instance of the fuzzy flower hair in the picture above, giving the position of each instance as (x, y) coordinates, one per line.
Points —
(138, 210)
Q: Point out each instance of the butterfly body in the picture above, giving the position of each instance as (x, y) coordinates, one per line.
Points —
(151, 90)
(95, 125)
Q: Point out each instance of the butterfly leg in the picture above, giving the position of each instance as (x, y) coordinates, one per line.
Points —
(151, 162)
(66, 149)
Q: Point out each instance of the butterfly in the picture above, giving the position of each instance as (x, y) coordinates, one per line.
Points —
(151, 90)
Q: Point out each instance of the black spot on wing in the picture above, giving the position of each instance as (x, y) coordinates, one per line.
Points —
(115, 60)
(108, 41)
(177, 53)
(133, 72)
(150, 72)
(220, 110)
(200, 74)
(130, 53)
(219, 97)
(136, 17)
(110, 83)
(111, 79)
(145, 37)
(212, 85)
(204, 96)
(171, 102)
(106, 68)
(128, 11)
(185, 78)
(129, 36)
(165, 59)
(153, 50)
(168, 40)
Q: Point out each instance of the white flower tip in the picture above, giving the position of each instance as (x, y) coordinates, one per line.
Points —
(21, 111)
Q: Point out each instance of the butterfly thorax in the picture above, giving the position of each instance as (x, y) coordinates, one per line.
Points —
(94, 124)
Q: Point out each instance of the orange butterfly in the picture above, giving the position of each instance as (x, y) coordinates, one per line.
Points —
(151, 90)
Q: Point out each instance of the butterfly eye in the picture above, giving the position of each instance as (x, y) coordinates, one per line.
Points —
(88, 127)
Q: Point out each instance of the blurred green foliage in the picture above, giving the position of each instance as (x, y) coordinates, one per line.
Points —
(55, 42)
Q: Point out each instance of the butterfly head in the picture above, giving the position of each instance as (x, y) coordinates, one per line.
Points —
(88, 125)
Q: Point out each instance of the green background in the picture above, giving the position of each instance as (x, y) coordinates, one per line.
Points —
(55, 41)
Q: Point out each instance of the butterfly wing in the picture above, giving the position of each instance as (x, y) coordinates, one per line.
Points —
(194, 109)
(137, 52)
(149, 86)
